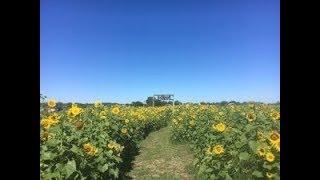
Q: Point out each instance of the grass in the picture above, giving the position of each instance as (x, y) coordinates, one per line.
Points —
(160, 159)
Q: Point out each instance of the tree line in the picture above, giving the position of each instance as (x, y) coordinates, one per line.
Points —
(149, 102)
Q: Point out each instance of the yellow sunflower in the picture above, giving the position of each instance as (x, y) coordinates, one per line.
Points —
(269, 157)
(261, 151)
(275, 115)
(220, 127)
(124, 131)
(274, 138)
(46, 123)
(90, 149)
(45, 135)
(251, 116)
(269, 175)
(115, 110)
(98, 104)
(277, 146)
(74, 111)
(218, 149)
(52, 103)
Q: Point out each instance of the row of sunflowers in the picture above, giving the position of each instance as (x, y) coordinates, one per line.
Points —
(92, 142)
(231, 141)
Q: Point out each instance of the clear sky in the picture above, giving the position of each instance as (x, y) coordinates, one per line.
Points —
(123, 51)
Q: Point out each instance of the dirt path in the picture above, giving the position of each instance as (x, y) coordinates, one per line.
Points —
(160, 159)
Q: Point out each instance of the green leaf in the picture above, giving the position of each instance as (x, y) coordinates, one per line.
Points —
(253, 145)
(70, 167)
(115, 127)
(257, 174)
(244, 156)
(114, 172)
(51, 175)
(269, 167)
(75, 149)
(228, 177)
(103, 168)
(47, 156)
(208, 170)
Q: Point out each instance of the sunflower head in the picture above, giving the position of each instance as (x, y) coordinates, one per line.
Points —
(90, 149)
(74, 111)
(98, 104)
(124, 131)
(218, 149)
(269, 175)
(269, 157)
(274, 137)
(276, 146)
(52, 103)
(261, 151)
(79, 125)
(115, 110)
(251, 116)
(220, 127)
(45, 136)
(275, 115)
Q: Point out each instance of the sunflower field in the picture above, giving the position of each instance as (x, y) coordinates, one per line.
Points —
(228, 141)
(91, 143)
(232, 141)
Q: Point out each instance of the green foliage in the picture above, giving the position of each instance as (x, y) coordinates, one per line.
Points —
(196, 124)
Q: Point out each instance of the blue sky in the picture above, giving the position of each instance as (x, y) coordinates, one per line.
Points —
(123, 51)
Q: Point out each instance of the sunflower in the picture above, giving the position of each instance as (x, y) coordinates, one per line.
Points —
(52, 103)
(79, 125)
(219, 127)
(98, 104)
(54, 118)
(45, 136)
(90, 149)
(275, 115)
(269, 175)
(115, 110)
(269, 157)
(115, 146)
(74, 111)
(277, 146)
(251, 116)
(218, 149)
(46, 123)
(274, 138)
(261, 151)
(260, 135)
(124, 131)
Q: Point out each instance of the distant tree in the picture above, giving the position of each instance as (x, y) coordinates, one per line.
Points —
(59, 106)
(222, 103)
(177, 102)
(149, 101)
(234, 102)
(137, 103)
